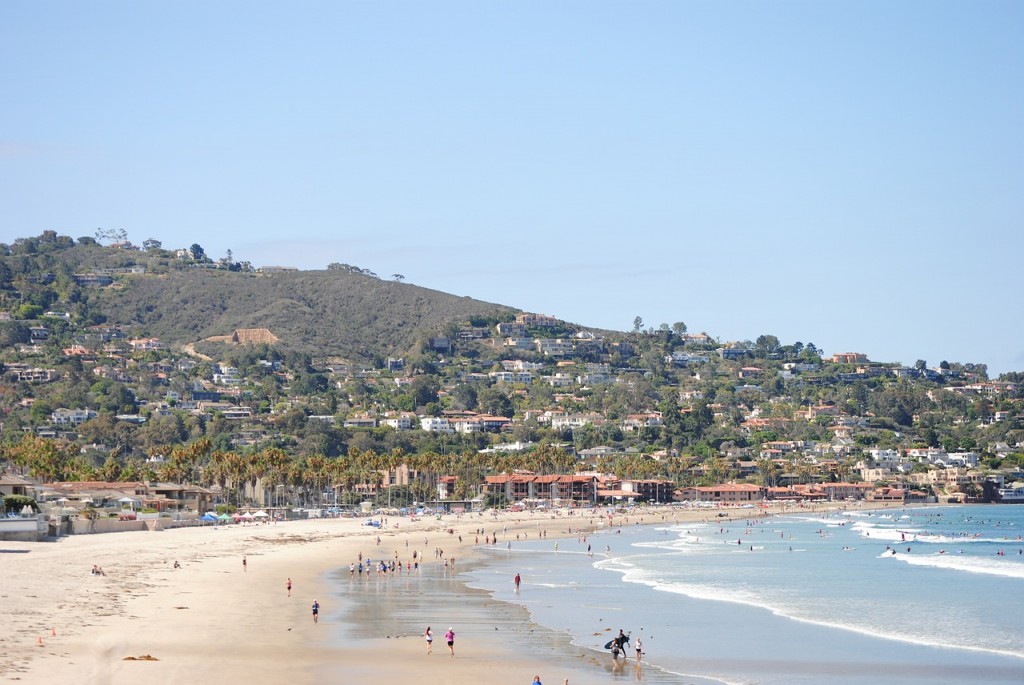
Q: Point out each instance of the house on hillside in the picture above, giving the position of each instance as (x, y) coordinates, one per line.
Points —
(635, 422)
(554, 347)
(433, 424)
(72, 417)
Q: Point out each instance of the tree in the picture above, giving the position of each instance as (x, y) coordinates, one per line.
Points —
(14, 332)
(112, 235)
(398, 277)
(424, 389)
(638, 323)
(29, 311)
(768, 472)
(465, 395)
(198, 254)
(767, 345)
(495, 402)
(679, 328)
(151, 244)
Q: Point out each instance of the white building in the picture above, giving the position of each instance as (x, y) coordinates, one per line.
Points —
(72, 417)
(554, 347)
(436, 425)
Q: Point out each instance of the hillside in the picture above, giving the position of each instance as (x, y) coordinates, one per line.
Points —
(319, 312)
(181, 299)
(86, 393)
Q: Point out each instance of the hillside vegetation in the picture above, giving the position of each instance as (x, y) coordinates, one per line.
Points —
(100, 378)
(336, 312)
(317, 312)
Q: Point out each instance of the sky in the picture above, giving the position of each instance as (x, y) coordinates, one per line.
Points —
(848, 174)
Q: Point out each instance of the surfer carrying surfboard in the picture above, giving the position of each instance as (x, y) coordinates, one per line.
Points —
(618, 644)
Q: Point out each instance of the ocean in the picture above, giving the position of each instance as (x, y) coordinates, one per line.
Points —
(930, 594)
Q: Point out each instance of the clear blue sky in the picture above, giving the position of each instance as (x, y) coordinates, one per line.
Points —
(844, 173)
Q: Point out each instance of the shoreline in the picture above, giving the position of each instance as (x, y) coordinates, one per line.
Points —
(212, 618)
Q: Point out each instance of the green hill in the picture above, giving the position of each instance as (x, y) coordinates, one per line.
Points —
(340, 311)
(320, 312)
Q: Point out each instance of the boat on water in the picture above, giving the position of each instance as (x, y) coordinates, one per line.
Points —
(1014, 494)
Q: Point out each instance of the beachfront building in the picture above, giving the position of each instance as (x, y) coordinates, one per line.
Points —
(731, 493)
(516, 487)
(835, 491)
(102, 495)
(638, 490)
(13, 484)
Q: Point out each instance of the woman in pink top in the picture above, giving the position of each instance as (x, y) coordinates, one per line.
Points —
(450, 639)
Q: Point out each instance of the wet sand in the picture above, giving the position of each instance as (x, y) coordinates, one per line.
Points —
(215, 620)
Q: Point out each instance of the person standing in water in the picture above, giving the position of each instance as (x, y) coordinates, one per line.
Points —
(430, 639)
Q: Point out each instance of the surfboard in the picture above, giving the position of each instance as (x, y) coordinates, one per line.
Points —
(609, 644)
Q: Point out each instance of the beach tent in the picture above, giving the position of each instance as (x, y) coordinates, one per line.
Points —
(261, 514)
(209, 517)
(247, 516)
(225, 518)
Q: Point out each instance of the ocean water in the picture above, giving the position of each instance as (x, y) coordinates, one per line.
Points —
(931, 595)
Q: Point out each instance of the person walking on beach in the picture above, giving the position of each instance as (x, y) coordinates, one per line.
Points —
(517, 581)
(288, 584)
(639, 649)
(449, 637)
(316, 611)
(430, 639)
(619, 645)
(245, 564)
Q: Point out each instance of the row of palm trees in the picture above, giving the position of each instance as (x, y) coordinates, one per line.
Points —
(312, 480)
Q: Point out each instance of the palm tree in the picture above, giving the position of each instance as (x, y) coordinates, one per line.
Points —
(40, 458)
(769, 472)
(316, 473)
(276, 463)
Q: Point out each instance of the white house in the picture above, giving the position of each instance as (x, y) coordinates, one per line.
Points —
(436, 425)
(72, 417)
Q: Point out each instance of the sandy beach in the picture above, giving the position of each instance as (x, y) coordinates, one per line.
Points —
(215, 619)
